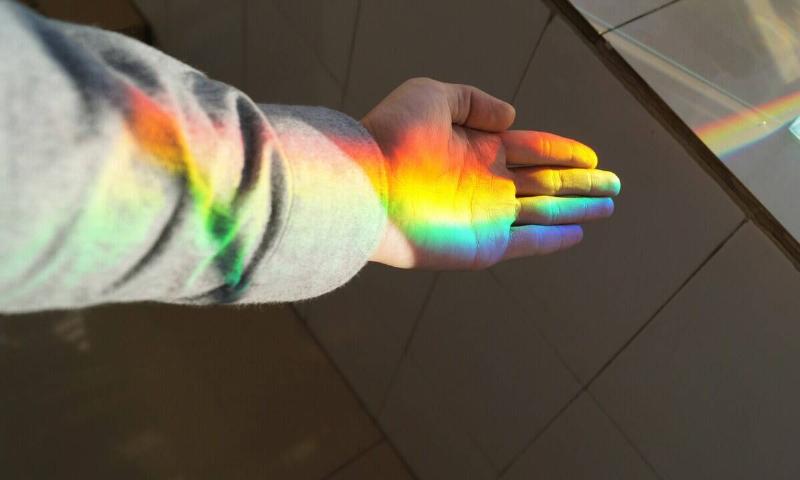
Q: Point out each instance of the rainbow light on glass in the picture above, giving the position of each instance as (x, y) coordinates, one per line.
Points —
(735, 132)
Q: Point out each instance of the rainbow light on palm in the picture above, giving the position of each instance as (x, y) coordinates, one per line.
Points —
(451, 202)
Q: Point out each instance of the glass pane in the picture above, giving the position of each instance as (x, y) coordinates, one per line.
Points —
(731, 70)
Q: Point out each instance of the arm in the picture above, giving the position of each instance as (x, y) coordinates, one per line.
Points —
(126, 175)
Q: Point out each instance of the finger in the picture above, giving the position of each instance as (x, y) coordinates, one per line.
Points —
(565, 181)
(541, 148)
(540, 240)
(474, 108)
(562, 210)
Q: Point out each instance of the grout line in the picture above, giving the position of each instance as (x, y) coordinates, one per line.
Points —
(407, 345)
(296, 311)
(354, 458)
(585, 388)
(305, 42)
(345, 381)
(625, 437)
(353, 37)
(522, 77)
(373, 417)
(641, 15)
(422, 309)
(538, 330)
(664, 305)
(541, 432)
(410, 471)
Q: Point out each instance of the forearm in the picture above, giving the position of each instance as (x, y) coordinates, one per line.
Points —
(127, 175)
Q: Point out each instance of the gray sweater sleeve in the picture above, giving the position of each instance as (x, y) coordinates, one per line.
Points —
(126, 175)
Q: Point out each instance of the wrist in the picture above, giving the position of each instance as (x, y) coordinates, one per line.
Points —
(379, 255)
(394, 249)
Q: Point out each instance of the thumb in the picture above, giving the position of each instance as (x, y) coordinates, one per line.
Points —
(474, 108)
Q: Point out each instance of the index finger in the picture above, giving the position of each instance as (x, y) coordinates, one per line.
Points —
(524, 148)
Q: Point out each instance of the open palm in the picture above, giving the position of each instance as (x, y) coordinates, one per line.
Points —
(465, 193)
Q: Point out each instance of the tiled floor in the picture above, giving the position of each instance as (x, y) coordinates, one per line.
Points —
(448, 40)
(581, 444)
(418, 420)
(591, 300)
(380, 462)
(366, 326)
(155, 391)
(662, 348)
(709, 389)
(283, 65)
(500, 379)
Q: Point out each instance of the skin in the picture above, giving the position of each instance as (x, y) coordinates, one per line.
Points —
(464, 192)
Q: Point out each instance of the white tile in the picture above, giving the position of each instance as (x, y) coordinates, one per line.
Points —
(365, 326)
(607, 14)
(710, 389)
(670, 215)
(282, 66)
(422, 427)
(207, 35)
(486, 44)
(500, 378)
(327, 26)
(582, 444)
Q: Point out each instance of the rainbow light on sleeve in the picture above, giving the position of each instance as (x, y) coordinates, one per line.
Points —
(735, 132)
(157, 132)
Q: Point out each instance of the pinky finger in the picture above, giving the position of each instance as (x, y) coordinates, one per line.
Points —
(530, 240)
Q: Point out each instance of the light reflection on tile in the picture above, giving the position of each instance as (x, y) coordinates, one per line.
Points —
(731, 71)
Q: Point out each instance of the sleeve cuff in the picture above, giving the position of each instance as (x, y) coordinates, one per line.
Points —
(336, 198)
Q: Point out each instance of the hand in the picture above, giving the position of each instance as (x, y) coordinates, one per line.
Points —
(464, 193)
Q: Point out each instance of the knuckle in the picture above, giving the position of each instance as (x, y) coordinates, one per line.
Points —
(545, 146)
(556, 181)
(420, 80)
(549, 211)
(423, 83)
(591, 184)
(573, 152)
